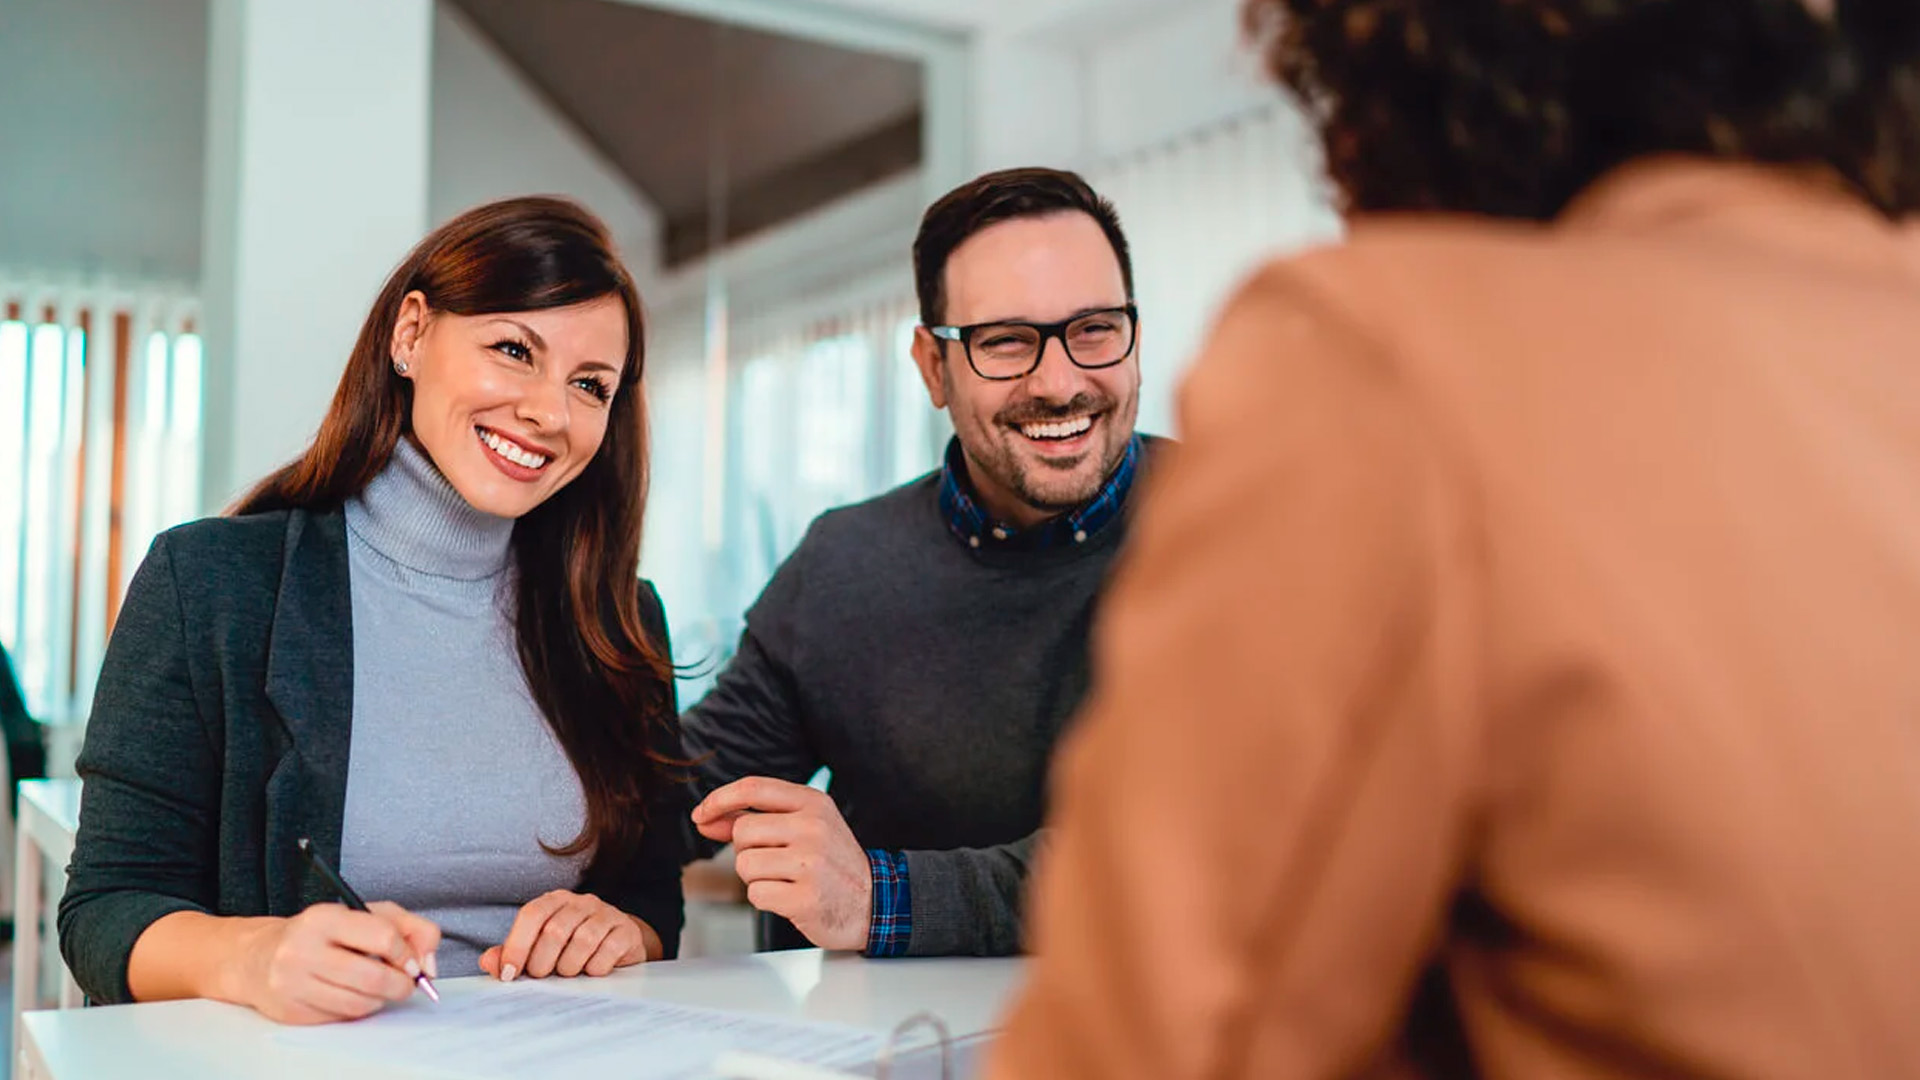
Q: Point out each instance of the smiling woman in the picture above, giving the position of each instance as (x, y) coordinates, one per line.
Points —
(462, 539)
(511, 407)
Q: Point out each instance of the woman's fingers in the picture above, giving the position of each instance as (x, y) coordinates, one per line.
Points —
(421, 934)
(586, 941)
(556, 935)
(349, 970)
(525, 932)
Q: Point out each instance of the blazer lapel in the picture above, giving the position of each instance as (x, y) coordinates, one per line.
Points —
(310, 684)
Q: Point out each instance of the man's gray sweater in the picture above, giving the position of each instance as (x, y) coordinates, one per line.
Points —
(933, 678)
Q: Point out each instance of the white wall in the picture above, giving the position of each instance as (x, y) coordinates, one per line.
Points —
(1174, 71)
(847, 239)
(1048, 90)
(495, 136)
(432, 121)
(317, 126)
(102, 133)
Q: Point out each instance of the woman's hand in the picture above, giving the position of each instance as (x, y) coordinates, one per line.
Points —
(333, 963)
(567, 934)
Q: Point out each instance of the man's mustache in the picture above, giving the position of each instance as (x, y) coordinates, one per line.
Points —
(1035, 411)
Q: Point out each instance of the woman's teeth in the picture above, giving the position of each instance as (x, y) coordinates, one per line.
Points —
(512, 451)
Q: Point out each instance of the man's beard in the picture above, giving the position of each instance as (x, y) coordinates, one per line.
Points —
(1015, 471)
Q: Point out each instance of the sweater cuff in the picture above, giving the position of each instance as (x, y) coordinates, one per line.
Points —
(97, 943)
(891, 928)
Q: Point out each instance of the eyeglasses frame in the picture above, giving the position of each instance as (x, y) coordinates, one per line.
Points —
(1047, 332)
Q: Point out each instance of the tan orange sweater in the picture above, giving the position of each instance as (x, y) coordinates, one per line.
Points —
(1533, 608)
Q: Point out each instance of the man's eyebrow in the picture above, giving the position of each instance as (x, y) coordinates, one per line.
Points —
(1094, 310)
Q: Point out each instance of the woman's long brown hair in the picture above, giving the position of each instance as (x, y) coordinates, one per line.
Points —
(605, 689)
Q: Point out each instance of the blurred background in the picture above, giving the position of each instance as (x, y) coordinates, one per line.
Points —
(200, 198)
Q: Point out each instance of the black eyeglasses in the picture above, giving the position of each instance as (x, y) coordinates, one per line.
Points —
(1012, 350)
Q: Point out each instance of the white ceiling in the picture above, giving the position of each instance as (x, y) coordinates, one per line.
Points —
(805, 122)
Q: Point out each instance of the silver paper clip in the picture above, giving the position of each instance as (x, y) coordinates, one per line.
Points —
(745, 1065)
(883, 1065)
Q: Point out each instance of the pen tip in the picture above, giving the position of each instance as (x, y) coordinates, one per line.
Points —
(427, 986)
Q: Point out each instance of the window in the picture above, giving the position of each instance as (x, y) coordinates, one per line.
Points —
(835, 442)
(163, 478)
(920, 431)
(46, 484)
(67, 549)
(14, 372)
(820, 414)
(760, 532)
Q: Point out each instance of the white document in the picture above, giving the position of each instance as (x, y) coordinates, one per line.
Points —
(510, 1033)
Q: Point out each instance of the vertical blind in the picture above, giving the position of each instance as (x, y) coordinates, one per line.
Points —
(99, 451)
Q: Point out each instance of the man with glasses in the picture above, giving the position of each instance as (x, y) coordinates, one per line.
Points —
(928, 647)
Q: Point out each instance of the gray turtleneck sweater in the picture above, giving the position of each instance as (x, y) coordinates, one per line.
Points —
(454, 778)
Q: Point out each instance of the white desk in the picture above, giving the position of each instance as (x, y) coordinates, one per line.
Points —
(203, 1040)
(49, 816)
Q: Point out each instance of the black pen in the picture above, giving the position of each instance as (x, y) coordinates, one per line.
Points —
(352, 899)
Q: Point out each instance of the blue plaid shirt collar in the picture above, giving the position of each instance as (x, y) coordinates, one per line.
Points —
(971, 524)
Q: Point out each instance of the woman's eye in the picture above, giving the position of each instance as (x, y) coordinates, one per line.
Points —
(514, 349)
(595, 387)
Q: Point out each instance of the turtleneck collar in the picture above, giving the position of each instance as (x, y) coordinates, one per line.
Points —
(412, 515)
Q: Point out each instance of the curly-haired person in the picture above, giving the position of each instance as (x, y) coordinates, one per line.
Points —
(1517, 673)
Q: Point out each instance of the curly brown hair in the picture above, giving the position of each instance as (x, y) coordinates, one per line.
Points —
(1511, 107)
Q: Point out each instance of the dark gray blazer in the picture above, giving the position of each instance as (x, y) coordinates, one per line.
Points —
(219, 737)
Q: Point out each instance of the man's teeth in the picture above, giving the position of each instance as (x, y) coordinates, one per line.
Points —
(510, 450)
(1061, 429)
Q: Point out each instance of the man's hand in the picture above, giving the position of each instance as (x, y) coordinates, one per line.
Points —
(797, 856)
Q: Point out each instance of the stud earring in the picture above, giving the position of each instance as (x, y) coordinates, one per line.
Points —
(399, 367)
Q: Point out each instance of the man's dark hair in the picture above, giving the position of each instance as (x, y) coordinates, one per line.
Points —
(991, 199)
(1511, 107)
